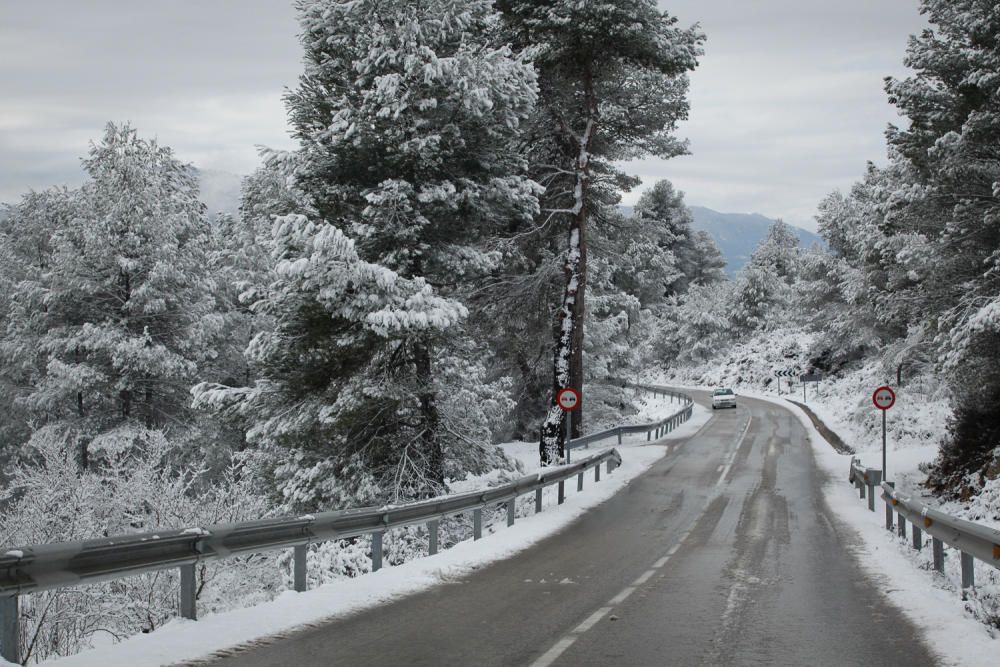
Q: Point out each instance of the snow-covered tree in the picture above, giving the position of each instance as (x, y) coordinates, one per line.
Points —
(919, 237)
(334, 382)
(700, 324)
(406, 127)
(121, 315)
(50, 499)
(26, 229)
(762, 289)
(696, 257)
(612, 79)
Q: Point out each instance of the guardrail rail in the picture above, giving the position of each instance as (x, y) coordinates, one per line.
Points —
(657, 429)
(972, 540)
(33, 569)
(50, 566)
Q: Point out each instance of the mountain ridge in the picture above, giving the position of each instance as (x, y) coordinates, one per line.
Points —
(738, 234)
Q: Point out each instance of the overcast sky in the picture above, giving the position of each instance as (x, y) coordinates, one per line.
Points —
(786, 105)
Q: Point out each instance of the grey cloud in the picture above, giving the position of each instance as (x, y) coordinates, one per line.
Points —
(786, 105)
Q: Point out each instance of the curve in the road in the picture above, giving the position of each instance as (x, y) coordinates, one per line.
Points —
(723, 553)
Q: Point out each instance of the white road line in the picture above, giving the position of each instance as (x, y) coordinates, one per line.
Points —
(644, 577)
(621, 597)
(550, 656)
(591, 620)
(739, 442)
(719, 469)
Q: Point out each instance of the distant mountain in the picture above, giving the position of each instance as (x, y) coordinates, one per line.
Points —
(738, 234)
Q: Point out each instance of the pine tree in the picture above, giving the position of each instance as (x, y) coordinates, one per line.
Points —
(120, 317)
(334, 385)
(612, 87)
(406, 126)
(762, 289)
(697, 258)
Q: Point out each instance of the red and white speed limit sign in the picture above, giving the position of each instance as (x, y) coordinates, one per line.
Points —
(568, 399)
(884, 398)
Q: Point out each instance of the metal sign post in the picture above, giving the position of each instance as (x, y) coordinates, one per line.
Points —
(569, 400)
(884, 398)
(808, 377)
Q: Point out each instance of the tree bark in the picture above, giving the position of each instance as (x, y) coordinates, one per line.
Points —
(569, 329)
(431, 417)
(568, 363)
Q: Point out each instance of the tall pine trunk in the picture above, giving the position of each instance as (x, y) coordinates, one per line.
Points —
(430, 438)
(569, 328)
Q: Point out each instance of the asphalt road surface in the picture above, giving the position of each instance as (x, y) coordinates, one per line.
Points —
(723, 553)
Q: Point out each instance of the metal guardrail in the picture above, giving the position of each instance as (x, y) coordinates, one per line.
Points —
(972, 540)
(658, 428)
(865, 479)
(50, 566)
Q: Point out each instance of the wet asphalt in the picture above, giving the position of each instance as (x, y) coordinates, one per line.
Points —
(754, 569)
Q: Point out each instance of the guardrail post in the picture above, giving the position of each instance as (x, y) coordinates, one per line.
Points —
(511, 511)
(968, 571)
(888, 515)
(861, 489)
(538, 501)
(189, 607)
(918, 539)
(649, 435)
(871, 497)
(299, 566)
(432, 537)
(477, 523)
(376, 551)
(902, 525)
(938, 548)
(619, 436)
(579, 482)
(562, 492)
(597, 473)
(10, 629)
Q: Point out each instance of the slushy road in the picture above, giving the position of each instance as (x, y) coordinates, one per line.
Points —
(722, 553)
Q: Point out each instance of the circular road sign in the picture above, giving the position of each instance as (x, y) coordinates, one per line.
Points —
(884, 398)
(568, 399)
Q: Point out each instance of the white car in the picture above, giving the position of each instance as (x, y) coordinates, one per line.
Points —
(724, 397)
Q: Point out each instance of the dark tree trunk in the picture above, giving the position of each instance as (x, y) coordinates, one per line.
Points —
(126, 397)
(150, 420)
(84, 443)
(568, 346)
(579, 325)
(430, 417)
(568, 362)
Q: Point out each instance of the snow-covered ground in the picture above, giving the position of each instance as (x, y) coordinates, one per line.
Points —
(182, 640)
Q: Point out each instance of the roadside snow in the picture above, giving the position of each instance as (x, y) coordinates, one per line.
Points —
(931, 601)
(182, 640)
